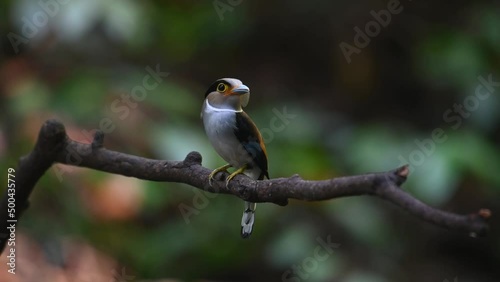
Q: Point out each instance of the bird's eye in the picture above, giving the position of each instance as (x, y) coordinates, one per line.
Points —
(221, 87)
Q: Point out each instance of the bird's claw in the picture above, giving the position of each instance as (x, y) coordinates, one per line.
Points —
(227, 181)
(232, 175)
(215, 171)
(224, 168)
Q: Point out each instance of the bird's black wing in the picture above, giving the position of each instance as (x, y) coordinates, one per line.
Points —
(251, 140)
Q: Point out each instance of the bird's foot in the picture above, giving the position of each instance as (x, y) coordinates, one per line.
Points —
(215, 171)
(232, 175)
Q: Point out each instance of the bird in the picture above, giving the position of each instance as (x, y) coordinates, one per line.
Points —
(235, 137)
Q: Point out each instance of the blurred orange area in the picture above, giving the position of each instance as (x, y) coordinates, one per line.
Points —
(78, 262)
(114, 198)
(13, 74)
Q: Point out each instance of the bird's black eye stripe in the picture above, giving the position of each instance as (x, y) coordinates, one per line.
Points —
(214, 86)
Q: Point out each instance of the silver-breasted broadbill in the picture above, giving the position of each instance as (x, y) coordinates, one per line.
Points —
(235, 137)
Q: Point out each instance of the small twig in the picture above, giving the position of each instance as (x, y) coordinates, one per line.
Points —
(54, 146)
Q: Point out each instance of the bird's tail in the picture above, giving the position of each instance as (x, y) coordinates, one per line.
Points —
(248, 219)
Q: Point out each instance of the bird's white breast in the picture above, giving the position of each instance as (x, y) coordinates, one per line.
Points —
(220, 125)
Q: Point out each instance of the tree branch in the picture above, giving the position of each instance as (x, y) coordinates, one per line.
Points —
(54, 146)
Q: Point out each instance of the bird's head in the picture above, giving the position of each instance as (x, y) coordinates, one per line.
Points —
(228, 93)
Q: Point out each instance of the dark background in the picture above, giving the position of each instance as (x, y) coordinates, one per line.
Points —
(373, 111)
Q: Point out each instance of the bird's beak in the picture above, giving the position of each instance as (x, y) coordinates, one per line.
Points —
(242, 89)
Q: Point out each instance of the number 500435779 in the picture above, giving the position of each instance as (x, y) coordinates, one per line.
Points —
(11, 190)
